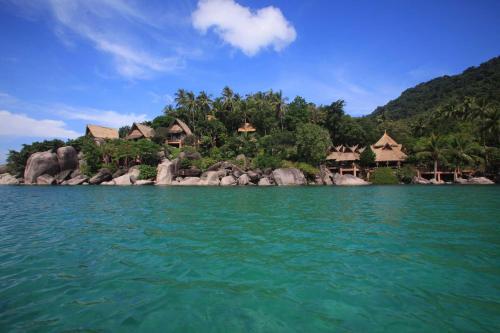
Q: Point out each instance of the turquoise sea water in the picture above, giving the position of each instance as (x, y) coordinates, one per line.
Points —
(308, 259)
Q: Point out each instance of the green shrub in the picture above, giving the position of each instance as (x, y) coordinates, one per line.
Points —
(173, 152)
(367, 157)
(266, 161)
(147, 172)
(406, 174)
(204, 163)
(186, 163)
(384, 176)
(312, 143)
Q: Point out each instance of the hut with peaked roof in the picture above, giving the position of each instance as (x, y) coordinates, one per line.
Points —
(246, 128)
(387, 151)
(177, 132)
(140, 131)
(101, 133)
(343, 159)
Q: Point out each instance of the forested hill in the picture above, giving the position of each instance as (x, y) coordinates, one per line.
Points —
(480, 82)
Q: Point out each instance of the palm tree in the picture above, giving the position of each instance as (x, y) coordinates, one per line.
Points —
(432, 148)
(463, 151)
(279, 103)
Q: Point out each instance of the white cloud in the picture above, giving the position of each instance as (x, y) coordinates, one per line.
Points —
(250, 31)
(20, 125)
(100, 117)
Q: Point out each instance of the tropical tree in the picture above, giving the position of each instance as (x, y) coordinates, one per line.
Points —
(313, 142)
(462, 151)
(432, 148)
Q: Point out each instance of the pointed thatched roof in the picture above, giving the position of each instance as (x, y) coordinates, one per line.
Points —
(344, 154)
(100, 132)
(178, 126)
(140, 131)
(246, 127)
(386, 149)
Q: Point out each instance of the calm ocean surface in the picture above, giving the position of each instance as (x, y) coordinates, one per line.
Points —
(308, 259)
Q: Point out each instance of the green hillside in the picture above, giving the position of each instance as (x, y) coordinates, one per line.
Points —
(479, 82)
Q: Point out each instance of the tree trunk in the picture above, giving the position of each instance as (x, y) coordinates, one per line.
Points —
(435, 169)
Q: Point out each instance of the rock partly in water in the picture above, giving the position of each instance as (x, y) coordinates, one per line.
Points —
(144, 182)
(264, 182)
(188, 181)
(348, 180)
(134, 173)
(166, 172)
(434, 181)
(460, 180)
(39, 164)
(119, 172)
(244, 180)
(67, 158)
(480, 181)
(63, 175)
(420, 180)
(289, 176)
(78, 180)
(103, 175)
(111, 182)
(45, 180)
(210, 178)
(228, 181)
(123, 180)
(8, 179)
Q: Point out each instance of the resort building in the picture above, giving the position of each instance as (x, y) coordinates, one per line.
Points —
(388, 151)
(100, 133)
(140, 131)
(343, 159)
(246, 128)
(177, 132)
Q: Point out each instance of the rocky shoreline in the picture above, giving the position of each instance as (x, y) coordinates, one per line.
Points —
(63, 167)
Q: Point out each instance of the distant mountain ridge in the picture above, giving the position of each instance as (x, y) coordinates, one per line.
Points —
(480, 82)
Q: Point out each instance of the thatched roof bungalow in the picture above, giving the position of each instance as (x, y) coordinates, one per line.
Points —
(140, 131)
(246, 128)
(342, 154)
(100, 133)
(177, 132)
(388, 151)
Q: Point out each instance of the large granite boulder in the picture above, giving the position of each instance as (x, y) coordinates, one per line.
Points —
(325, 176)
(243, 180)
(134, 173)
(144, 182)
(348, 180)
(39, 164)
(78, 180)
(264, 182)
(4, 169)
(119, 172)
(228, 181)
(480, 181)
(123, 180)
(188, 181)
(8, 179)
(289, 176)
(45, 180)
(191, 172)
(63, 175)
(210, 178)
(434, 181)
(420, 180)
(166, 171)
(103, 175)
(254, 176)
(67, 158)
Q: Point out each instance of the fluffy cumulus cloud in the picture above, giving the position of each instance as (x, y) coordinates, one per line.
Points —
(250, 31)
(20, 125)
(102, 117)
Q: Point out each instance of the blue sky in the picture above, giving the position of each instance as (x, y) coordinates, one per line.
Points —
(64, 64)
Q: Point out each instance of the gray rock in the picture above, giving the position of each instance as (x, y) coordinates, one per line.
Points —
(166, 172)
(103, 175)
(75, 173)
(237, 173)
(63, 175)
(480, 181)
(460, 180)
(78, 180)
(144, 182)
(39, 164)
(189, 155)
(289, 176)
(243, 180)
(188, 181)
(111, 182)
(325, 176)
(228, 181)
(134, 173)
(434, 181)
(119, 172)
(264, 182)
(123, 180)
(4, 169)
(45, 180)
(420, 180)
(191, 172)
(242, 160)
(8, 179)
(254, 176)
(348, 180)
(67, 158)
(210, 178)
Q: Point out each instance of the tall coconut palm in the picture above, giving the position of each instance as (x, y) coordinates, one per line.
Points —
(463, 151)
(432, 148)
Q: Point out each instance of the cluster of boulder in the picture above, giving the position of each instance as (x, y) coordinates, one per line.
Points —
(462, 181)
(63, 166)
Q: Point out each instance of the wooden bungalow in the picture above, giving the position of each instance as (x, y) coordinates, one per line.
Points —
(343, 159)
(100, 133)
(177, 132)
(140, 131)
(388, 151)
(246, 128)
